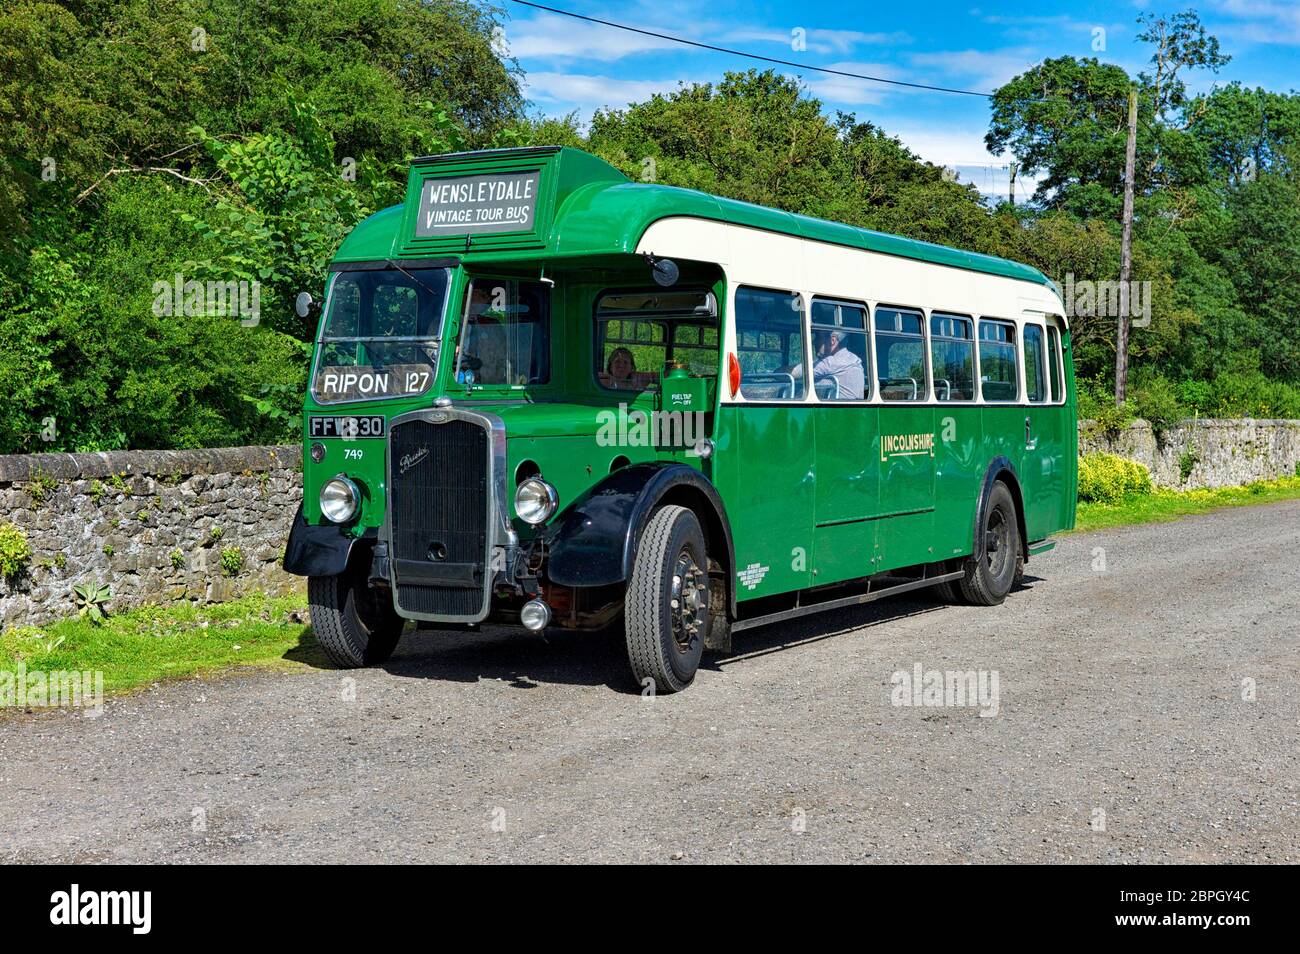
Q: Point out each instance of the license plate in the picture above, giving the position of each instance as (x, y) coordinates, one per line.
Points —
(349, 427)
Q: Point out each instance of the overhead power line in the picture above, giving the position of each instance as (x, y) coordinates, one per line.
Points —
(752, 56)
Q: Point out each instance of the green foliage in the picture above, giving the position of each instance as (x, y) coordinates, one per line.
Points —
(1155, 400)
(232, 560)
(201, 162)
(15, 551)
(1096, 403)
(40, 486)
(1107, 478)
(90, 599)
(1187, 462)
(177, 560)
(215, 534)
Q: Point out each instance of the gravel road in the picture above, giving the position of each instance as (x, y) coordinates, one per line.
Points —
(1121, 735)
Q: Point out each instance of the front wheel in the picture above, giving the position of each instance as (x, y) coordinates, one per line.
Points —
(666, 611)
(354, 623)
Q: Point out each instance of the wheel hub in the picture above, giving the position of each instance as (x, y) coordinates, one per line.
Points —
(689, 602)
(997, 542)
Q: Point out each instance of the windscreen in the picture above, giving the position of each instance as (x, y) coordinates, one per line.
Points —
(379, 337)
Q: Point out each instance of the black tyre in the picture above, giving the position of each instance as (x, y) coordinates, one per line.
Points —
(355, 624)
(666, 611)
(949, 592)
(991, 572)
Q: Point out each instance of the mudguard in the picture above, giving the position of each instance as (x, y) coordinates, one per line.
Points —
(317, 550)
(594, 541)
(997, 466)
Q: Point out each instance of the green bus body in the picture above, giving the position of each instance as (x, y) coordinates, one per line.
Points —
(805, 492)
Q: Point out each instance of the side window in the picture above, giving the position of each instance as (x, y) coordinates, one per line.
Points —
(696, 347)
(506, 337)
(1054, 363)
(632, 353)
(641, 333)
(1035, 361)
(839, 331)
(900, 354)
(770, 345)
(998, 361)
(952, 355)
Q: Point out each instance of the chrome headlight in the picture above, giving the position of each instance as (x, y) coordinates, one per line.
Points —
(536, 501)
(339, 499)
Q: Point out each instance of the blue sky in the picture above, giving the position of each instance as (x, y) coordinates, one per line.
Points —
(575, 66)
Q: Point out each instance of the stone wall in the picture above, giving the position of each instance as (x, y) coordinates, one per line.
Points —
(152, 525)
(1218, 453)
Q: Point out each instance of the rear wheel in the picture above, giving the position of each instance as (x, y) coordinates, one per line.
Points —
(666, 612)
(991, 571)
(354, 623)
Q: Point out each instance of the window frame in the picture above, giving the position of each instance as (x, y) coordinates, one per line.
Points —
(554, 373)
(805, 338)
(1054, 328)
(927, 396)
(974, 348)
(1046, 380)
(597, 342)
(979, 362)
(868, 378)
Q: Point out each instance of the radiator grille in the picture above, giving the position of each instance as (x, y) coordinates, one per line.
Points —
(438, 507)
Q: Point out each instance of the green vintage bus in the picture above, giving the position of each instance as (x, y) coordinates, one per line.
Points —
(546, 395)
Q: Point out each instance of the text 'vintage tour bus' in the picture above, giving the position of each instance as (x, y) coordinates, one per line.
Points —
(545, 395)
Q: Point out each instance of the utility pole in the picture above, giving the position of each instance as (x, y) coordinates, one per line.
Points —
(1126, 253)
(1011, 189)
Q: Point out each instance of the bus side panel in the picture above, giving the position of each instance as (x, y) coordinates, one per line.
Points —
(960, 463)
(847, 492)
(1004, 434)
(1045, 476)
(764, 472)
(906, 486)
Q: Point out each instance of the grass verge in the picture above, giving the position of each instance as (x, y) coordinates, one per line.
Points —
(144, 645)
(1161, 505)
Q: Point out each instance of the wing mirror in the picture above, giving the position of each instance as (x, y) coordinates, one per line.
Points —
(306, 306)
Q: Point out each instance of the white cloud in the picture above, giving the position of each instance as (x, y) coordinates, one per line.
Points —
(552, 37)
(587, 93)
(1261, 21)
(963, 150)
(981, 70)
(845, 90)
(817, 40)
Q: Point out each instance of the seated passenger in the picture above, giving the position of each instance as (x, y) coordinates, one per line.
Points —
(836, 361)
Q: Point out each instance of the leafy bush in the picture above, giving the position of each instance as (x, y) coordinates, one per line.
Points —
(1108, 478)
(1155, 400)
(1187, 463)
(1240, 393)
(15, 551)
(232, 560)
(1097, 404)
